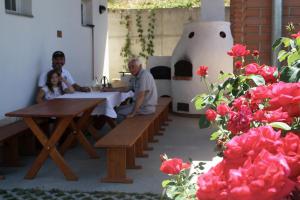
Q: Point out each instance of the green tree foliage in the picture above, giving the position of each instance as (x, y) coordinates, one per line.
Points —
(153, 4)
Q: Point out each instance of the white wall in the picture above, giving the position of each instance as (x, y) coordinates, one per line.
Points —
(26, 46)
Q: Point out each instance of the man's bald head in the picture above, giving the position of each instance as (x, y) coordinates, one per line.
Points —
(134, 66)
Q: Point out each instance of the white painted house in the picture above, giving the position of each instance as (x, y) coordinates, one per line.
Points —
(31, 30)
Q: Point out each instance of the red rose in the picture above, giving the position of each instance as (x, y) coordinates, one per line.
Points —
(238, 102)
(174, 166)
(290, 148)
(240, 121)
(252, 68)
(212, 185)
(268, 74)
(272, 116)
(255, 53)
(211, 115)
(295, 36)
(287, 96)
(202, 71)
(251, 143)
(264, 177)
(238, 64)
(238, 50)
(223, 109)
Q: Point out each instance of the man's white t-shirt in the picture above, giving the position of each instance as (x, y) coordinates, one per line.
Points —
(65, 74)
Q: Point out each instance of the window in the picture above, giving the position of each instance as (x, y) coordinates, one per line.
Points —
(86, 12)
(19, 7)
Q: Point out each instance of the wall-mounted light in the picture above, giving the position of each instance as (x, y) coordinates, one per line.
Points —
(102, 9)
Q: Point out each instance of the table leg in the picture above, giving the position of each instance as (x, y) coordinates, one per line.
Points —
(84, 142)
(49, 148)
(77, 133)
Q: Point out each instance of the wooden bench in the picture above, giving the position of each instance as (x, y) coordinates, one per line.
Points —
(9, 138)
(129, 140)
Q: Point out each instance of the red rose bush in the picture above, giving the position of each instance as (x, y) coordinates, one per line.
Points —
(257, 115)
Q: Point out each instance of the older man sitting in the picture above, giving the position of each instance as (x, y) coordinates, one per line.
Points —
(145, 92)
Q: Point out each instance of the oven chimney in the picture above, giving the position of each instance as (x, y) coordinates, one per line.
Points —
(212, 10)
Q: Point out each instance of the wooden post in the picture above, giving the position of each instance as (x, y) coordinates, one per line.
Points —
(116, 166)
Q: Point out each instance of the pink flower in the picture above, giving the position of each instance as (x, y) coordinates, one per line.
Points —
(174, 166)
(272, 116)
(211, 115)
(223, 109)
(252, 68)
(212, 185)
(202, 71)
(287, 96)
(265, 71)
(268, 74)
(238, 50)
(290, 148)
(264, 177)
(250, 144)
(238, 64)
(295, 36)
(238, 102)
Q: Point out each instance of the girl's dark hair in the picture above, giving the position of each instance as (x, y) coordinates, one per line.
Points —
(49, 84)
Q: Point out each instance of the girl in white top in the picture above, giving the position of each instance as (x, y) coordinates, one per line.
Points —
(55, 86)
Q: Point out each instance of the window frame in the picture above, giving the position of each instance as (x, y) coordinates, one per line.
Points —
(20, 6)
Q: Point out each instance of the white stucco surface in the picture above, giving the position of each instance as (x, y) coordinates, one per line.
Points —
(26, 46)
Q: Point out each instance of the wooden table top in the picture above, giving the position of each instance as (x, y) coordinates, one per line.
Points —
(57, 108)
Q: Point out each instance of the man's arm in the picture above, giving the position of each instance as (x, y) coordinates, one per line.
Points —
(116, 89)
(80, 89)
(40, 96)
(139, 101)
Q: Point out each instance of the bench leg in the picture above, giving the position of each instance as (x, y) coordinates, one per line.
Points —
(139, 149)
(145, 138)
(11, 156)
(116, 166)
(156, 127)
(130, 159)
(151, 133)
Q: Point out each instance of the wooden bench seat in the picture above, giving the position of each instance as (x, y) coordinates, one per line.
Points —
(129, 140)
(9, 137)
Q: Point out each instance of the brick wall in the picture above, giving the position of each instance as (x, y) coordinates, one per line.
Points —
(252, 23)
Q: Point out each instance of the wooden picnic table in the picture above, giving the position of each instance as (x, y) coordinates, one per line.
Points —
(65, 110)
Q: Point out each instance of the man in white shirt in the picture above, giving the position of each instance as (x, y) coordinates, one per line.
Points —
(58, 61)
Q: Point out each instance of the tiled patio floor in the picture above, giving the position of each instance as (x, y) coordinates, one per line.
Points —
(182, 138)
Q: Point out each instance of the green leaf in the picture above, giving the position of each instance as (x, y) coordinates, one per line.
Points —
(298, 42)
(280, 125)
(199, 101)
(257, 79)
(203, 122)
(215, 135)
(165, 183)
(287, 42)
(277, 43)
(295, 75)
(224, 76)
(282, 55)
(293, 58)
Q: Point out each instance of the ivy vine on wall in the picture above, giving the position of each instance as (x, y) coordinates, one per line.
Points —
(145, 37)
(126, 52)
